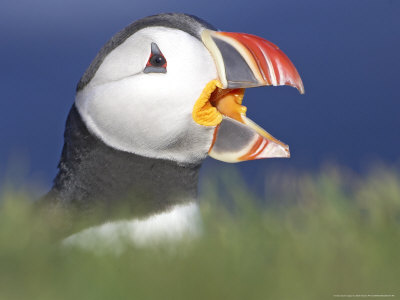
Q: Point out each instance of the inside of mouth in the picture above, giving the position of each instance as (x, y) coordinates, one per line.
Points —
(229, 102)
(215, 102)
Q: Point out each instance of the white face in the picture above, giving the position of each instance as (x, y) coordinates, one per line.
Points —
(150, 114)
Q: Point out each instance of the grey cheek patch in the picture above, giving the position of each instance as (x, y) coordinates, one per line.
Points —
(238, 73)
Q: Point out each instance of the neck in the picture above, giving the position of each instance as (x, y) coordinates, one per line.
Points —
(94, 175)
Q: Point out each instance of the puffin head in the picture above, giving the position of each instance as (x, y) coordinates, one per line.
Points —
(171, 86)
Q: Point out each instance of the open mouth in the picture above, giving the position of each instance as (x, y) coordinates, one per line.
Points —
(216, 105)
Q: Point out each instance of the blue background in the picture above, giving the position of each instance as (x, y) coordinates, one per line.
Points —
(346, 51)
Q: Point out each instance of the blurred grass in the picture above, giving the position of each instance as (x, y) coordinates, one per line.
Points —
(311, 236)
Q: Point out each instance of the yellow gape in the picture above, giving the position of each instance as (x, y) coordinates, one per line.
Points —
(215, 102)
(204, 113)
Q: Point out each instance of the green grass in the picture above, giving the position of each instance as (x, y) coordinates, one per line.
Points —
(315, 236)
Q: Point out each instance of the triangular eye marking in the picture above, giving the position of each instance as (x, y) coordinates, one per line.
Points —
(155, 49)
(157, 62)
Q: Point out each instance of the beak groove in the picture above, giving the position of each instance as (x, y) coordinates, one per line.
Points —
(258, 62)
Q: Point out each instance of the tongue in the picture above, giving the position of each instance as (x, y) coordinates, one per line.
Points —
(228, 102)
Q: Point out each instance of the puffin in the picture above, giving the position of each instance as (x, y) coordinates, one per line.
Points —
(160, 97)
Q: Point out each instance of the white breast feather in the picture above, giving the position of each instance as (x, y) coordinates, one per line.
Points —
(182, 221)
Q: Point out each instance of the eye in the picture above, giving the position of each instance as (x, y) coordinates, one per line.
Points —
(157, 62)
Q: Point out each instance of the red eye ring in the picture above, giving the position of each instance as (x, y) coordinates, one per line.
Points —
(157, 60)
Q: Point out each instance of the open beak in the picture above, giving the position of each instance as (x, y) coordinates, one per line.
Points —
(242, 61)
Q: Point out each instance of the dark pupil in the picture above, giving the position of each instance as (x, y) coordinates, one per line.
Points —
(157, 60)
